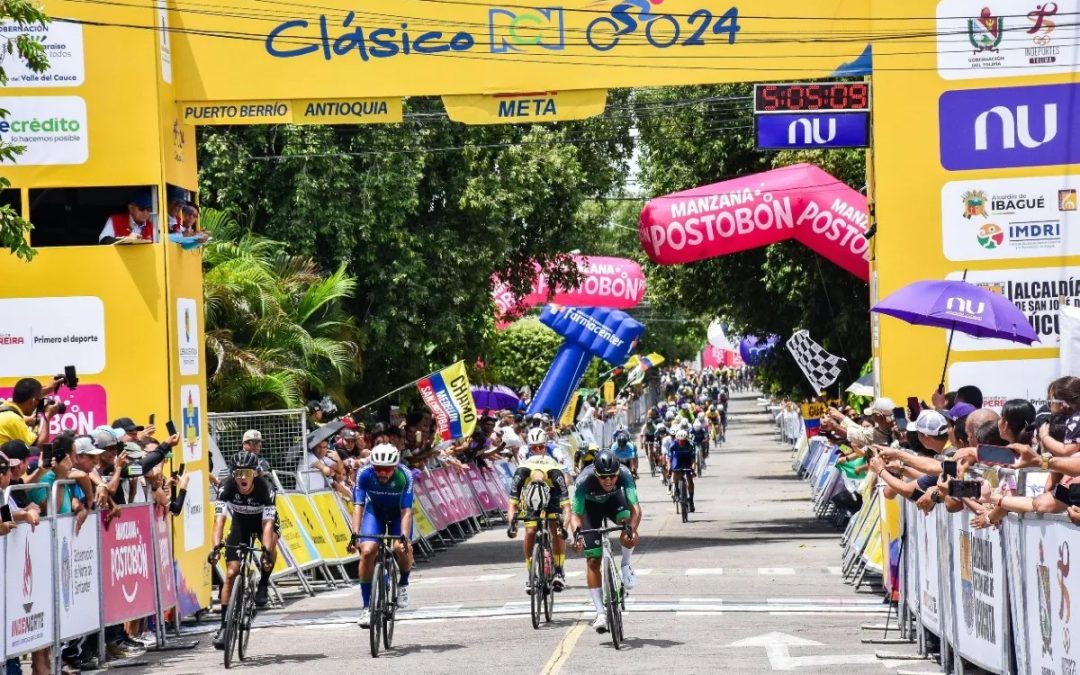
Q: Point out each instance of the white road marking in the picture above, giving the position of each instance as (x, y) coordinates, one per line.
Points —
(835, 570)
(704, 571)
(776, 571)
(824, 601)
(778, 649)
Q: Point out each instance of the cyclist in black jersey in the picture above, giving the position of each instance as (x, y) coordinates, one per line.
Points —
(249, 500)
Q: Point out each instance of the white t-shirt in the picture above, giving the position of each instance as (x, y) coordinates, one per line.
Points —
(312, 478)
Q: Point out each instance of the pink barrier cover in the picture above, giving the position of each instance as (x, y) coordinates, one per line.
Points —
(608, 282)
(166, 569)
(464, 496)
(457, 513)
(800, 201)
(127, 565)
(480, 487)
(432, 501)
(495, 489)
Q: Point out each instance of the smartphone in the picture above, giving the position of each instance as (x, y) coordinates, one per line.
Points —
(152, 416)
(948, 467)
(170, 427)
(996, 454)
(180, 470)
(5, 513)
(71, 380)
(913, 408)
(900, 419)
(960, 489)
(46, 454)
(1062, 494)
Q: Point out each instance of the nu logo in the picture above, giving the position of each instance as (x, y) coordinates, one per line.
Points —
(964, 306)
(811, 132)
(1015, 127)
(518, 31)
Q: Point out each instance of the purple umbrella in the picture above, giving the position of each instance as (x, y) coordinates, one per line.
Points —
(958, 305)
(495, 397)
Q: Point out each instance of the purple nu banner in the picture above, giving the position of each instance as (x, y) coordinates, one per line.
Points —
(1009, 126)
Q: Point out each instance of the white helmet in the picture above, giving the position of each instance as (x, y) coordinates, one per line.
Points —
(536, 436)
(670, 415)
(660, 430)
(385, 454)
(701, 415)
(684, 423)
(697, 426)
(681, 435)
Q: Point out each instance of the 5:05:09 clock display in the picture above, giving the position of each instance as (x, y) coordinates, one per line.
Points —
(812, 97)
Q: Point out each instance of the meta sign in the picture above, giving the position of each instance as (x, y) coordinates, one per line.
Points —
(812, 115)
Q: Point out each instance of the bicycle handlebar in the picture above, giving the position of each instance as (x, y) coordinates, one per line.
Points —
(625, 527)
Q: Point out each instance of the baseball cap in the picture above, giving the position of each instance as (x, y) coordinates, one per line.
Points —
(348, 434)
(84, 445)
(883, 405)
(960, 410)
(105, 438)
(127, 424)
(142, 199)
(16, 451)
(931, 423)
(133, 450)
(252, 435)
(179, 194)
(10, 461)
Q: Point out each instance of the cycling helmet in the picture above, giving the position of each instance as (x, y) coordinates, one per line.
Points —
(245, 460)
(700, 415)
(670, 415)
(660, 430)
(697, 426)
(536, 436)
(622, 437)
(536, 420)
(606, 464)
(621, 429)
(385, 454)
(681, 435)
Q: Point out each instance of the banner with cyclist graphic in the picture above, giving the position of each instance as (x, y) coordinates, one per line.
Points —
(448, 394)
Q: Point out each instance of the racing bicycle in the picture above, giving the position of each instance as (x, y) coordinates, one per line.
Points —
(242, 608)
(541, 568)
(650, 450)
(613, 594)
(384, 593)
(681, 494)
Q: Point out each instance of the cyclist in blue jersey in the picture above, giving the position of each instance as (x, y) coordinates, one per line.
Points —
(700, 436)
(625, 451)
(382, 504)
(682, 458)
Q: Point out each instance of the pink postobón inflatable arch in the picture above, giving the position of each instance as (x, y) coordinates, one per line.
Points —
(609, 282)
(800, 201)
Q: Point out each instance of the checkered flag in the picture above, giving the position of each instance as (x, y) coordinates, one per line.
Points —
(819, 366)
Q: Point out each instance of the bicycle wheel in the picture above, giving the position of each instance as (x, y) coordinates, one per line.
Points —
(611, 602)
(246, 619)
(232, 618)
(536, 582)
(676, 495)
(390, 617)
(549, 577)
(684, 506)
(378, 598)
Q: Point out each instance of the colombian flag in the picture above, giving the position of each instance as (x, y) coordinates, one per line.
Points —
(447, 393)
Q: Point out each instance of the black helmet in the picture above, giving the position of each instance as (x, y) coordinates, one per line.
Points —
(245, 460)
(606, 464)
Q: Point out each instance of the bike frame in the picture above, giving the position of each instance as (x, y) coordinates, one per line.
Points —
(611, 584)
(384, 584)
(241, 604)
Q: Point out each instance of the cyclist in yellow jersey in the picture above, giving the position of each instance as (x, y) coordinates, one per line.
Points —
(539, 482)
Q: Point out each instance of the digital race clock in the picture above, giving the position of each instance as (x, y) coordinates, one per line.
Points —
(812, 97)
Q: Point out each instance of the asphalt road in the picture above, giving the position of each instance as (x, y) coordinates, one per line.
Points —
(750, 585)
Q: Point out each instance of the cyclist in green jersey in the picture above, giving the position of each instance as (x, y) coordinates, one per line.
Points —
(605, 490)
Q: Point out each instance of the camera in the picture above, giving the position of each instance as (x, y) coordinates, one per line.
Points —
(46, 401)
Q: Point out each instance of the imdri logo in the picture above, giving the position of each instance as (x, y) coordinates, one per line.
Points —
(521, 30)
(1009, 127)
(990, 236)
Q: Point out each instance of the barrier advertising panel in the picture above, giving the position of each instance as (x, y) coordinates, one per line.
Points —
(927, 546)
(978, 587)
(28, 589)
(429, 498)
(79, 582)
(1048, 546)
(127, 564)
(166, 569)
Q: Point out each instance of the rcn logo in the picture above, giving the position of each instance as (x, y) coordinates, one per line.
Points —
(524, 30)
(1010, 126)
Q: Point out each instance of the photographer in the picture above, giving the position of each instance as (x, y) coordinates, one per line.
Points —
(26, 416)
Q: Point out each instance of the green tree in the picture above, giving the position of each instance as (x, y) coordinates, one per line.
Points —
(276, 327)
(31, 50)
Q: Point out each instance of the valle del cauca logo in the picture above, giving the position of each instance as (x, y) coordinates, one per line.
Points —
(515, 30)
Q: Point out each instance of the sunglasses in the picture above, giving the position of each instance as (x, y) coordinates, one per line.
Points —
(244, 474)
(4, 468)
(607, 476)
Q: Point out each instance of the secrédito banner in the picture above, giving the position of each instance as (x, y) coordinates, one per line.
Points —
(28, 588)
(608, 282)
(447, 394)
(799, 202)
(128, 564)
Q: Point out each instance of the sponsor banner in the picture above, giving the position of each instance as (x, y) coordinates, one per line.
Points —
(78, 566)
(1003, 380)
(978, 586)
(447, 394)
(424, 527)
(495, 488)
(979, 39)
(63, 43)
(1048, 548)
(1037, 292)
(1014, 568)
(86, 409)
(309, 523)
(28, 588)
(442, 482)
(1009, 126)
(544, 106)
(166, 570)
(299, 545)
(42, 335)
(53, 129)
(195, 510)
(926, 546)
(328, 505)
(431, 499)
(1010, 218)
(480, 489)
(191, 422)
(164, 41)
(464, 495)
(127, 564)
(606, 282)
(187, 326)
(314, 111)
